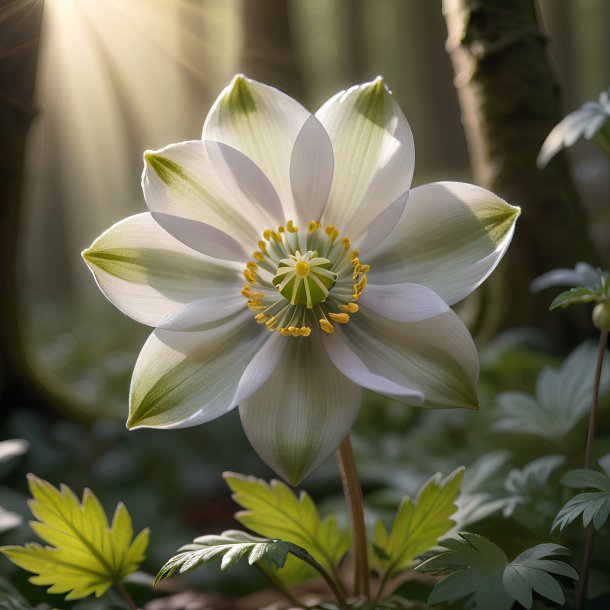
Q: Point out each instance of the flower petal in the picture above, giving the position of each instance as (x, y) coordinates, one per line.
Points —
(383, 224)
(311, 170)
(450, 238)
(403, 302)
(374, 155)
(187, 378)
(302, 413)
(435, 357)
(149, 275)
(210, 183)
(263, 123)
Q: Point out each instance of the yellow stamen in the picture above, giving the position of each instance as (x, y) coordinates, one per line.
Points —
(291, 228)
(262, 245)
(249, 276)
(354, 254)
(285, 332)
(260, 318)
(313, 226)
(326, 326)
(349, 307)
(267, 234)
(294, 331)
(341, 318)
(365, 268)
(305, 331)
(281, 229)
(246, 291)
(346, 243)
(258, 255)
(252, 265)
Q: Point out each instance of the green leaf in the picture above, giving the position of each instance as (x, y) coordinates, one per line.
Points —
(593, 506)
(274, 511)
(231, 546)
(418, 525)
(491, 582)
(87, 556)
(563, 397)
(580, 294)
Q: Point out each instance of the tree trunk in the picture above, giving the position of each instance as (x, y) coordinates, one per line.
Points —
(20, 25)
(268, 52)
(510, 102)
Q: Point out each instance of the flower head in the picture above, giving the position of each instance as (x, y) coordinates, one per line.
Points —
(286, 264)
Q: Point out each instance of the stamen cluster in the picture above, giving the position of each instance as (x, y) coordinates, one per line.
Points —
(300, 279)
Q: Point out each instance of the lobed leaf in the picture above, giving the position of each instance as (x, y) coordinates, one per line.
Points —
(274, 511)
(86, 556)
(231, 546)
(593, 506)
(418, 525)
(491, 582)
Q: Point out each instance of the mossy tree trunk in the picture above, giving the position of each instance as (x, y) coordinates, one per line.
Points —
(510, 102)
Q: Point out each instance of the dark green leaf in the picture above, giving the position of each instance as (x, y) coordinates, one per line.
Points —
(580, 294)
(492, 582)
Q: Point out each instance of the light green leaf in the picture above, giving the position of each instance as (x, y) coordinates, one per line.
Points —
(580, 294)
(273, 510)
(482, 572)
(593, 506)
(86, 556)
(231, 546)
(418, 525)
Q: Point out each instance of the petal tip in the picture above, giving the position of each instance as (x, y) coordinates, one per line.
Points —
(238, 95)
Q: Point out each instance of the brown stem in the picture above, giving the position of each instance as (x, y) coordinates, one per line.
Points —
(353, 495)
(279, 585)
(125, 595)
(581, 592)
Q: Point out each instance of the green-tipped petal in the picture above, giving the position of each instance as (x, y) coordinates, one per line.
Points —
(183, 379)
(374, 155)
(210, 196)
(301, 414)
(149, 275)
(434, 356)
(263, 123)
(450, 238)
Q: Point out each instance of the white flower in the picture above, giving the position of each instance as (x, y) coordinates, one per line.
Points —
(586, 121)
(285, 270)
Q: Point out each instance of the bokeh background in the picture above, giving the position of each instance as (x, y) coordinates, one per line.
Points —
(88, 85)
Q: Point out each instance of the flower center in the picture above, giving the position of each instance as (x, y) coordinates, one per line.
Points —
(293, 292)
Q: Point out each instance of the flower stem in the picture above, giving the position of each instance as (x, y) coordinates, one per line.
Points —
(279, 585)
(125, 595)
(581, 593)
(353, 495)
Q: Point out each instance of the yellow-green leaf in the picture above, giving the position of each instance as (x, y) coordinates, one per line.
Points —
(86, 556)
(419, 524)
(273, 510)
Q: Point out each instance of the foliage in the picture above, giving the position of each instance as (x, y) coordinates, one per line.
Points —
(418, 525)
(532, 501)
(593, 506)
(87, 556)
(563, 397)
(481, 570)
(274, 511)
(232, 546)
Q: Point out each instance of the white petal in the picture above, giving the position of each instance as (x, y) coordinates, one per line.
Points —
(383, 224)
(263, 123)
(374, 155)
(565, 133)
(149, 275)
(403, 302)
(214, 184)
(187, 378)
(204, 313)
(203, 237)
(434, 357)
(302, 413)
(311, 170)
(450, 238)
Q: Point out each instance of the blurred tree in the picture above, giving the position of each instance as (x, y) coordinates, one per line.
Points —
(268, 53)
(510, 102)
(20, 25)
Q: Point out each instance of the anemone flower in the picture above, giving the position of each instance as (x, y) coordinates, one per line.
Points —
(286, 264)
